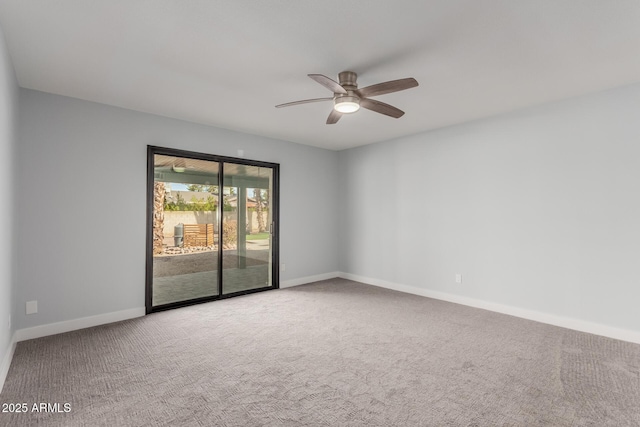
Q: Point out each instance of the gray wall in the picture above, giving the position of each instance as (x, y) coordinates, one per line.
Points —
(8, 125)
(538, 209)
(88, 267)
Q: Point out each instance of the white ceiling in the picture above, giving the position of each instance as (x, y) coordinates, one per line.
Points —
(227, 63)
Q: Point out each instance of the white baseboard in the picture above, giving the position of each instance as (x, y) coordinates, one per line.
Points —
(6, 361)
(538, 316)
(308, 279)
(75, 324)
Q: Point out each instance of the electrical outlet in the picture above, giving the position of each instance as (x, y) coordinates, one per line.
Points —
(283, 267)
(458, 278)
(32, 307)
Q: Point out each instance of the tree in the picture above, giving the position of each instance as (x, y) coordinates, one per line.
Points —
(257, 195)
(195, 187)
(159, 192)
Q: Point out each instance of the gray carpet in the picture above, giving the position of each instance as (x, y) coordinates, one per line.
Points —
(333, 353)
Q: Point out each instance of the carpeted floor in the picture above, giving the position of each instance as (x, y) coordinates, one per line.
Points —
(334, 353)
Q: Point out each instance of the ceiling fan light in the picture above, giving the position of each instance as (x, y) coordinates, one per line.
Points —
(347, 104)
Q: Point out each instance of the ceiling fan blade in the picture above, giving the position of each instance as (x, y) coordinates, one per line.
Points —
(304, 101)
(387, 87)
(381, 107)
(325, 81)
(334, 116)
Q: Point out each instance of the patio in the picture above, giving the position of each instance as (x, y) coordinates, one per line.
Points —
(195, 275)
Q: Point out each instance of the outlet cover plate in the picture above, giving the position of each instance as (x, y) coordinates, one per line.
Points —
(32, 307)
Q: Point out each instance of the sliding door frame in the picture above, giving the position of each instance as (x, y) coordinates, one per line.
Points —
(274, 206)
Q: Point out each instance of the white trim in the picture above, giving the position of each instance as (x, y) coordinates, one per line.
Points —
(6, 361)
(309, 279)
(75, 324)
(538, 316)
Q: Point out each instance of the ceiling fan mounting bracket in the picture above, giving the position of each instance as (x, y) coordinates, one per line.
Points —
(348, 80)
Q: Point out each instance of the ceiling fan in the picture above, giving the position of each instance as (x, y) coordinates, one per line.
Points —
(347, 98)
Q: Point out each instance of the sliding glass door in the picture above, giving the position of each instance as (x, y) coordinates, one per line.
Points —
(246, 264)
(185, 229)
(212, 227)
